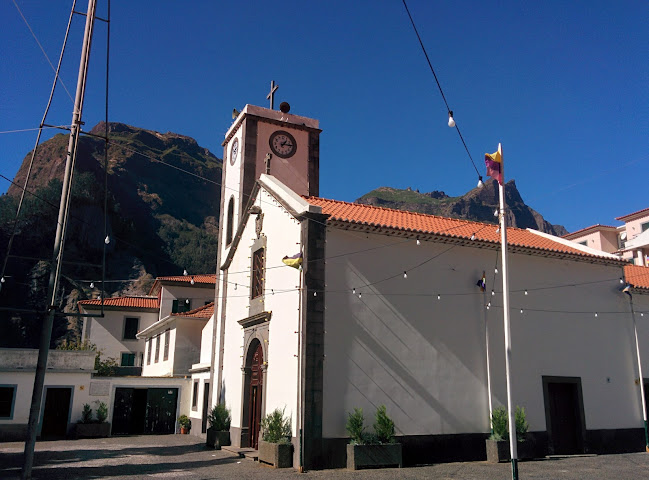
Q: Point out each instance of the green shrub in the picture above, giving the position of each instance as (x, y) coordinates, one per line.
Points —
(185, 422)
(219, 418)
(275, 427)
(500, 424)
(86, 414)
(102, 412)
(521, 424)
(355, 427)
(383, 426)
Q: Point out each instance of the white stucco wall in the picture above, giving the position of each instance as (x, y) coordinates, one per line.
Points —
(198, 297)
(424, 358)
(280, 297)
(108, 332)
(206, 341)
(162, 367)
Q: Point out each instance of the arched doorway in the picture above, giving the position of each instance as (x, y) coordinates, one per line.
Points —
(253, 390)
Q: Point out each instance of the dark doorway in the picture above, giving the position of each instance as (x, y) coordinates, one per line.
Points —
(564, 415)
(206, 405)
(139, 411)
(56, 412)
(646, 396)
(253, 390)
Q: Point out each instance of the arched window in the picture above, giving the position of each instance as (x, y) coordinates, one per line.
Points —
(228, 231)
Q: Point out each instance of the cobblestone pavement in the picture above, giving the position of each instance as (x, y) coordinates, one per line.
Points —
(185, 457)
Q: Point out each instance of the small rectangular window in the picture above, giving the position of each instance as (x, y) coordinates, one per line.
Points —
(195, 396)
(584, 243)
(7, 398)
(128, 360)
(166, 350)
(645, 226)
(181, 305)
(131, 325)
(149, 344)
(157, 348)
(257, 273)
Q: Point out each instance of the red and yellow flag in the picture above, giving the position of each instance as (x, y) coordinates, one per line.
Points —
(494, 163)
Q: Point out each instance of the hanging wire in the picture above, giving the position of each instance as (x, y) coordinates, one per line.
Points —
(439, 86)
(38, 136)
(41, 46)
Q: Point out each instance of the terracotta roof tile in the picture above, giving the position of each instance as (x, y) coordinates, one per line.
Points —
(582, 231)
(369, 215)
(199, 280)
(124, 302)
(202, 312)
(624, 217)
(637, 276)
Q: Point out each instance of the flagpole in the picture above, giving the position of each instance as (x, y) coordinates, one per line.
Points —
(508, 339)
(486, 332)
(637, 350)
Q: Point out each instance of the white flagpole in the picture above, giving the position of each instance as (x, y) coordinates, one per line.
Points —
(642, 394)
(508, 339)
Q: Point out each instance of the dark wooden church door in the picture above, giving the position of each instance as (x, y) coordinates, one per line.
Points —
(254, 401)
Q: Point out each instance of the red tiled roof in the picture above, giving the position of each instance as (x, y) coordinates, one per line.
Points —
(624, 217)
(202, 312)
(584, 230)
(199, 280)
(369, 215)
(637, 276)
(123, 302)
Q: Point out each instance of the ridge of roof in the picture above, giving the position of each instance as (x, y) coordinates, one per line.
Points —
(582, 230)
(206, 311)
(623, 217)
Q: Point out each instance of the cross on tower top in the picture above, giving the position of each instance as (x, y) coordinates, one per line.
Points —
(271, 94)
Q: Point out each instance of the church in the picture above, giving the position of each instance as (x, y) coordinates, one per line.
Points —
(322, 306)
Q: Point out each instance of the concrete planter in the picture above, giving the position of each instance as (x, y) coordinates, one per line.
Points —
(92, 430)
(373, 456)
(217, 438)
(279, 455)
(498, 450)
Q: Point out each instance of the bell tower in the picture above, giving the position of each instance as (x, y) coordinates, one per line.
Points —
(263, 140)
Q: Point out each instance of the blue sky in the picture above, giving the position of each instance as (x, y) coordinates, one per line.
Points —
(562, 84)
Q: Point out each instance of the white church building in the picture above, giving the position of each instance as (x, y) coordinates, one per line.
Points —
(385, 310)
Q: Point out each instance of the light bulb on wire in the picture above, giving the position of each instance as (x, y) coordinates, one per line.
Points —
(418, 242)
(451, 122)
(473, 236)
(185, 273)
(480, 182)
(192, 281)
(107, 240)
(92, 284)
(405, 274)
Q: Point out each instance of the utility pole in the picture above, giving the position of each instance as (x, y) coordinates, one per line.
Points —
(59, 242)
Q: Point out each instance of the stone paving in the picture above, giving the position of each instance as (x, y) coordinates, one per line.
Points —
(185, 457)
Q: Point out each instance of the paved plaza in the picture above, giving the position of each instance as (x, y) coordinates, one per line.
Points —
(185, 457)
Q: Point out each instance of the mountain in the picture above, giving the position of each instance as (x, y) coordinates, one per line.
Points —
(162, 217)
(478, 204)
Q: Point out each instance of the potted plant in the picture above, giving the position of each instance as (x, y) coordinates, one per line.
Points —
(218, 433)
(372, 450)
(87, 427)
(498, 443)
(185, 424)
(275, 446)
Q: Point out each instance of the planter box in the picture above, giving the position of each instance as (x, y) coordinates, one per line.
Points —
(498, 450)
(373, 456)
(217, 438)
(280, 455)
(92, 430)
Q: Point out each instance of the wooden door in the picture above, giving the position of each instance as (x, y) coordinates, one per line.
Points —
(206, 406)
(565, 419)
(56, 412)
(254, 401)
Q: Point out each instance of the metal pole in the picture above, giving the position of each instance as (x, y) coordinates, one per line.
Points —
(508, 339)
(46, 332)
(486, 329)
(637, 350)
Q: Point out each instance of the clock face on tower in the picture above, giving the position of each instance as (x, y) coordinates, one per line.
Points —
(234, 151)
(282, 144)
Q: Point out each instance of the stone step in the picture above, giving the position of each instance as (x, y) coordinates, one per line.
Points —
(246, 452)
